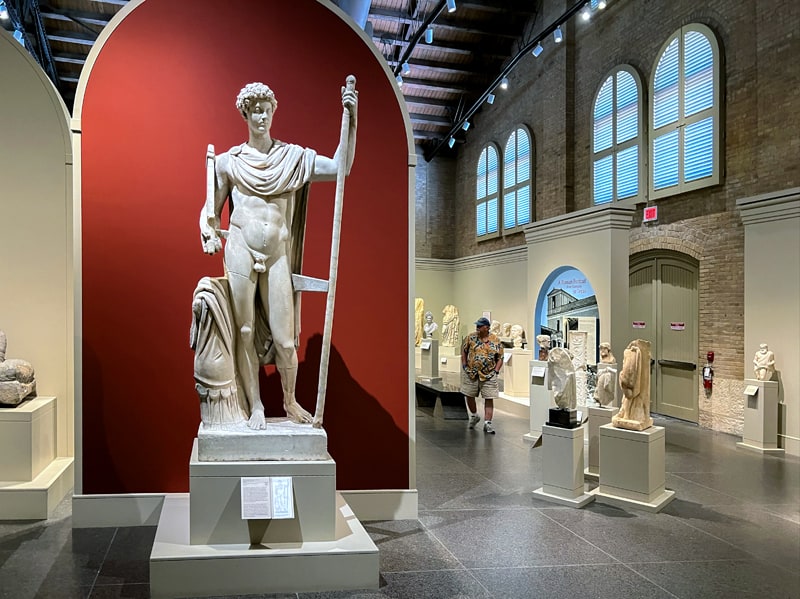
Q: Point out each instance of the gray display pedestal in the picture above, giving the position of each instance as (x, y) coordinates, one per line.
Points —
(632, 469)
(760, 417)
(541, 399)
(598, 416)
(562, 467)
(516, 372)
(601, 366)
(203, 547)
(429, 365)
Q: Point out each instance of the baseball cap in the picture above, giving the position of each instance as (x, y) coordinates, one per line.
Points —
(483, 322)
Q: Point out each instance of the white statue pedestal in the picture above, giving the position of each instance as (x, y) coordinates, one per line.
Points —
(203, 546)
(632, 468)
(429, 360)
(281, 440)
(760, 417)
(562, 467)
(516, 372)
(449, 359)
(541, 399)
(598, 416)
(34, 479)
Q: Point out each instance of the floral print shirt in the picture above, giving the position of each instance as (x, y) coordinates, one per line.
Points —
(482, 356)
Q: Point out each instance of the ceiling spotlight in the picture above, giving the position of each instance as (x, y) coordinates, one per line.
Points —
(429, 35)
(451, 142)
(586, 13)
(490, 99)
(504, 83)
(451, 5)
(406, 68)
(4, 16)
(465, 126)
(537, 50)
(558, 35)
(399, 80)
(602, 4)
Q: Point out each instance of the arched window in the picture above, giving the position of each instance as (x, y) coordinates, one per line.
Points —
(617, 139)
(517, 196)
(487, 193)
(685, 127)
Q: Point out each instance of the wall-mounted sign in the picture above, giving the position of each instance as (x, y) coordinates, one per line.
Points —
(677, 326)
(639, 324)
(650, 214)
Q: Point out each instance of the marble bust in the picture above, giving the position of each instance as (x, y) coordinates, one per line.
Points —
(252, 314)
(430, 326)
(606, 356)
(518, 335)
(450, 326)
(764, 363)
(544, 346)
(494, 329)
(17, 381)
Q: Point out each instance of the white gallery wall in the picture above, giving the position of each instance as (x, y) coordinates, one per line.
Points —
(36, 224)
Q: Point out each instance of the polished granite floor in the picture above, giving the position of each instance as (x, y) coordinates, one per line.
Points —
(733, 531)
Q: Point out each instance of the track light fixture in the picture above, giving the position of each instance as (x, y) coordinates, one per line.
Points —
(465, 126)
(406, 68)
(4, 16)
(586, 13)
(429, 35)
(558, 35)
(602, 4)
(537, 50)
(399, 80)
(504, 83)
(451, 142)
(490, 99)
(451, 5)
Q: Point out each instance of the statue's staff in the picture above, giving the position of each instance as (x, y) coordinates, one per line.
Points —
(341, 172)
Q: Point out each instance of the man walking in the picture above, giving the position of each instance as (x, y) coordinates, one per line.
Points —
(481, 360)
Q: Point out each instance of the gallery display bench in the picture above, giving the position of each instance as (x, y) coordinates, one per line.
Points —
(444, 397)
(32, 479)
(632, 468)
(562, 467)
(760, 417)
(205, 547)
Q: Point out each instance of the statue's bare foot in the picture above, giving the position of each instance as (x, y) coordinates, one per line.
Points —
(296, 413)
(257, 421)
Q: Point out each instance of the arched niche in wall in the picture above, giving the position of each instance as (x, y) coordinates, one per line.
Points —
(156, 90)
(36, 235)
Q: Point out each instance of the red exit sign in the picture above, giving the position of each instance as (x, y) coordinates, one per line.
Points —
(650, 214)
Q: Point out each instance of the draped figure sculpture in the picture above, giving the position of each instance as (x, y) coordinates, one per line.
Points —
(450, 326)
(250, 317)
(561, 373)
(764, 363)
(17, 380)
(419, 320)
(634, 380)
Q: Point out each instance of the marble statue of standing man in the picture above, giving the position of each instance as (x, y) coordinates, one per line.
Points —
(266, 181)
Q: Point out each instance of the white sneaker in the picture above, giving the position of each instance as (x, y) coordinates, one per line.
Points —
(488, 428)
(473, 420)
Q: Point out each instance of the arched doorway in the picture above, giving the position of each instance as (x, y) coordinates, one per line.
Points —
(663, 309)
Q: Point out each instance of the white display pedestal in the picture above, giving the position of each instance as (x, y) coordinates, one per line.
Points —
(632, 468)
(516, 372)
(598, 416)
(760, 417)
(449, 359)
(32, 479)
(562, 467)
(429, 360)
(203, 547)
(541, 398)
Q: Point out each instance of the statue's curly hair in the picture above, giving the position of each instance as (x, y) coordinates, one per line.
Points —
(254, 92)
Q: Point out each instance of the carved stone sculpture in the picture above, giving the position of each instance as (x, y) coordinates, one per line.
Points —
(429, 327)
(17, 380)
(562, 378)
(544, 346)
(494, 328)
(518, 335)
(764, 363)
(634, 380)
(606, 384)
(450, 326)
(266, 182)
(505, 331)
(419, 320)
(606, 357)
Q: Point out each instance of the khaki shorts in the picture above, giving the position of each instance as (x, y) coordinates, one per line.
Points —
(487, 389)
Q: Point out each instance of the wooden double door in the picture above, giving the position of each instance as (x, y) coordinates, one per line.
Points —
(663, 310)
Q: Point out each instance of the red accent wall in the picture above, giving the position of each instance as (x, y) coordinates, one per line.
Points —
(162, 88)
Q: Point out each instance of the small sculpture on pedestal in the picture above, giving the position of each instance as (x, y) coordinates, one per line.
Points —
(429, 327)
(494, 328)
(17, 381)
(544, 346)
(419, 320)
(450, 326)
(604, 389)
(518, 336)
(764, 363)
(561, 373)
(505, 330)
(634, 380)
(606, 357)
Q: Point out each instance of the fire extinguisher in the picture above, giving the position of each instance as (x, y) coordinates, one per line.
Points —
(708, 372)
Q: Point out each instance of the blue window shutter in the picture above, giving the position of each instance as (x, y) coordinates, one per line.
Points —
(698, 73)
(628, 172)
(627, 107)
(510, 210)
(524, 205)
(698, 160)
(665, 160)
(491, 216)
(492, 171)
(665, 88)
(480, 219)
(603, 180)
(603, 116)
